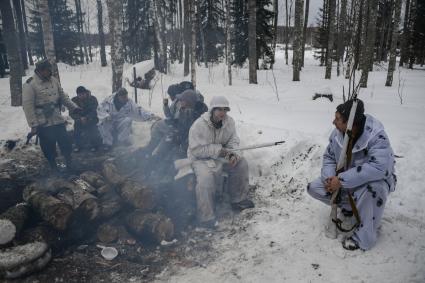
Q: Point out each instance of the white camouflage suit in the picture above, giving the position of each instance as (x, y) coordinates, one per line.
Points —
(369, 178)
(111, 120)
(205, 143)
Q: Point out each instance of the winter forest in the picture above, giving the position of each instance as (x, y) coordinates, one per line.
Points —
(109, 187)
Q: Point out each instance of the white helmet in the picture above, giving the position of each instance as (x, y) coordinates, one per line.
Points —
(219, 101)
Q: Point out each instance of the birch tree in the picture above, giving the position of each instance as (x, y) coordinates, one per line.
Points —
(228, 43)
(49, 44)
(368, 47)
(297, 49)
(252, 41)
(22, 39)
(307, 6)
(331, 30)
(12, 47)
(115, 13)
(101, 33)
(394, 38)
(193, 6)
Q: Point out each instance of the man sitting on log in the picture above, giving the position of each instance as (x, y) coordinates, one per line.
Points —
(211, 138)
(116, 115)
(85, 125)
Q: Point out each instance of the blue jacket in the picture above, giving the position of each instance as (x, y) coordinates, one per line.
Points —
(372, 157)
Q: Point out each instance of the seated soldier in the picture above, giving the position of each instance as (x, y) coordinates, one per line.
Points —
(369, 177)
(211, 137)
(85, 125)
(116, 115)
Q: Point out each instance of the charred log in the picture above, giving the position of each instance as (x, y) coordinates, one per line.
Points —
(151, 227)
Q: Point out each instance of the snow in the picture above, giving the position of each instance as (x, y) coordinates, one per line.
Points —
(282, 239)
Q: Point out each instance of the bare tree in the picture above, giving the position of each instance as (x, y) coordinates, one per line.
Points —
(22, 39)
(307, 5)
(187, 36)
(49, 44)
(275, 20)
(368, 47)
(331, 30)
(28, 46)
(12, 47)
(406, 34)
(101, 33)
(252, 41)
(159, 28)
(394, 38)
(115, 13)
(341, 35)
(297, 49)
(228, 43)
(193, 13)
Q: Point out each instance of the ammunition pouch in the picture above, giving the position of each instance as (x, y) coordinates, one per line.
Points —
(48, 109)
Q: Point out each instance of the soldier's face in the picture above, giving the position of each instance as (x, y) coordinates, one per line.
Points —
(219, 113)
(46, 73)
(339, 122)
(123, 98)
(83, 95)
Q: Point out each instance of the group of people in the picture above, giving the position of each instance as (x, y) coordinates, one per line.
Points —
(207, 136)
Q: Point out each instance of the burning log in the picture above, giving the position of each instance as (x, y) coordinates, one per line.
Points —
(54, 211)
(78, 196)
(94, 179)
(107, 233)
(17, 216)
(136, 195)
(153, 226)
(109, 205)
(18, 261)
(111, 173)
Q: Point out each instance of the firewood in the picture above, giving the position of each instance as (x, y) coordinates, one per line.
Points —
(110, 172)
(94, 179)
(107, 233)
(52, 210)
(155, 227)
(138, 196)
(18, 215)
(7, 231)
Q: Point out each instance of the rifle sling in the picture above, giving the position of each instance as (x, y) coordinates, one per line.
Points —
(338, 221)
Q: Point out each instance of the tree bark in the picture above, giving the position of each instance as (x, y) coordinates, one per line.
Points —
(228, 43)
(150, 226)
(297, 49)
(252, 41)
(307, 5)
(275, 20)
(187, 36)
(286, 31)
(341, 34)
(79, 30)
(412, 20)
(24, 16)
(394, 38)
(22, 39)
(49, 44)
(137, 196)
(115, 14)
(368, 50)
(406, 35)
(12, 47)
(159, 28)
(103, 61)
(193, 14)
(331, 31)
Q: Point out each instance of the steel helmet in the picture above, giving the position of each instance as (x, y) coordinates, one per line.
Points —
(219, 101)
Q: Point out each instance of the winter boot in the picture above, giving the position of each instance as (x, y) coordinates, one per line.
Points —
(350, 244)
(244, 204)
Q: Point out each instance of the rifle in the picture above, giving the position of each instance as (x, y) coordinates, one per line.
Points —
(184, 166)
(29, 137)
(334, 222)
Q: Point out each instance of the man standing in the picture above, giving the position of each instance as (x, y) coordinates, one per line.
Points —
(86, 132)
(42, 99)
(211, 137)
(116, 115)
(369, 175)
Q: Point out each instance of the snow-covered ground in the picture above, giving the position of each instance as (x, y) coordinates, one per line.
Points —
(282, 239)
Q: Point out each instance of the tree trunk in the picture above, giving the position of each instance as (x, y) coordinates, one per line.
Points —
(154, 227)
(193, 14)
(252, 41)
(18, 216)
(137, 196)
(228, 43)
(24, 16)
(406, 35)
(394, 38)
(412, 20)
(331, 31)
(115, 31)
(79, 31)
(83, 35)
(12, 47)
(287, 31)
(187, 36)
(297, 49)
(181, 32)
(307, 5)
(49, 44)
(22, 39)
(159, 28)
(55, 212)
(341, 34)
(275, 20)
(103, 61)
(368, 50)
